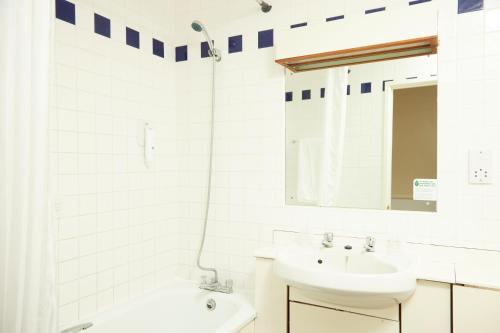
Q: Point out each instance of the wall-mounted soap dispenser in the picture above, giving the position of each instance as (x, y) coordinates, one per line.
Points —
(146, 140)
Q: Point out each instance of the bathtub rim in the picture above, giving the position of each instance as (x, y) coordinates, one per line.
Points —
(243, 316)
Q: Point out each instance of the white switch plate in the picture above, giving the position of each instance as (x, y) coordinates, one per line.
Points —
(480, 167)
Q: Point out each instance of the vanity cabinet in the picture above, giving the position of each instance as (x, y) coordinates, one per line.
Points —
(428, 310)
(306, 318)
(475, 310)
(435, 307)
(270, 299)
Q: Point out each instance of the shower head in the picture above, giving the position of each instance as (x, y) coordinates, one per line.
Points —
(199, 27)
(264, 6)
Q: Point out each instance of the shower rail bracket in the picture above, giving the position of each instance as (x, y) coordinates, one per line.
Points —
(78, 328)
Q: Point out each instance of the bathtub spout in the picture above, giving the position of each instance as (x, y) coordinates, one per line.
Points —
(216, 286)
(78, 328)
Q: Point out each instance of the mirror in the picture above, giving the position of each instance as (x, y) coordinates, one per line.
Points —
(363, 136)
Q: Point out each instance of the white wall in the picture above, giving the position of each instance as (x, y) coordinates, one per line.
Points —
(124, 228)
(249, 185)
(116, 218)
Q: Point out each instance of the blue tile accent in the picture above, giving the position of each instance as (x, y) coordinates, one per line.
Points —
(374, 10)
(417, 2)
(235, 44)
(288, 96)
(335, 18)
(181, 53)
(102, 25)
(384, 82)
(412, 78)
(322, 92)
(366, 88)
(466, 6)
(158, 48)
(348, 89)
(298, 25)
(204, 50)
(65, 11)
(306, 94)
(133, 38)
(266, 38)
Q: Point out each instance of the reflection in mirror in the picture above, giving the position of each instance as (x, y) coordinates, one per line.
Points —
(363, 136)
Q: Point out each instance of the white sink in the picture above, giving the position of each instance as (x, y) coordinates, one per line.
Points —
(352, 278)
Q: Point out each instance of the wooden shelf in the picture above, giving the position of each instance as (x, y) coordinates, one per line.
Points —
(361, 55)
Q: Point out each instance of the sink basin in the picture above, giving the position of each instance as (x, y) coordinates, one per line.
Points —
(347, 277)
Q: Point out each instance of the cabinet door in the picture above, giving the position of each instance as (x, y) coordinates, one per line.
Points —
(312, 319)
(432, 301)
(475, 310)
(270, 299)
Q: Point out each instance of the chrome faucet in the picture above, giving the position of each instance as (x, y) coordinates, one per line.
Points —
(327, 240)
(214, 285)
(370, 244)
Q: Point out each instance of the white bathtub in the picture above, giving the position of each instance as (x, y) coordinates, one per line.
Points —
(178, 309)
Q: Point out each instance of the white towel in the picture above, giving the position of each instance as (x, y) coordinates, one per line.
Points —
(308, 170)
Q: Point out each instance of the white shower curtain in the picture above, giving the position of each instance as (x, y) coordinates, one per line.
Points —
(334, 123)
(27, 263)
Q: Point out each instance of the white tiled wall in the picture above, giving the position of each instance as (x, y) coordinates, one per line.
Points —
(116, 217)
(124, 228)
(249, 155)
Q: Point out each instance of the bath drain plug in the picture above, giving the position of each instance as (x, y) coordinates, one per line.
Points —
(211, 304)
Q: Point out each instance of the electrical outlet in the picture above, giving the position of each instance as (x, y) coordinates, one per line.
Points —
(480, 167)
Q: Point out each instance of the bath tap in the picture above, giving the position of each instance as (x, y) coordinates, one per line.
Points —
(327, 240)
(370, 244)
(214, 285)
(78, 328)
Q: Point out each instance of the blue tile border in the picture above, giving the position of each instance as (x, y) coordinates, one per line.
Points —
(102, 25)
(298, 25)
(266, 38)
(366, 87)
(467, 6)
(158, 48)
(374, 10)
(335, 18)
(235, 44)
(204, 50)
(66, 11)
(181, 53)
(417, 2)
(133, 38)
